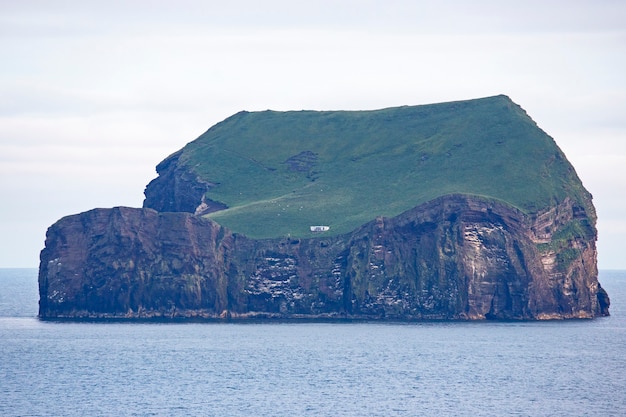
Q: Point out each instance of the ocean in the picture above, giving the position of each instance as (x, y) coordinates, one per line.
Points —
(556, 368)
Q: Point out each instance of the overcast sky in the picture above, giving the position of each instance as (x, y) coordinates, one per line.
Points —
(93, 94)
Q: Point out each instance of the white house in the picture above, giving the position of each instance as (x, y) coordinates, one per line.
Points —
(320, 228)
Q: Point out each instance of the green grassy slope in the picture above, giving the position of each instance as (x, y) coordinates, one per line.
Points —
(280, 172)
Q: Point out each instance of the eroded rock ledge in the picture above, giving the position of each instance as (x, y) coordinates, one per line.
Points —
(178, 189)
(456, 257)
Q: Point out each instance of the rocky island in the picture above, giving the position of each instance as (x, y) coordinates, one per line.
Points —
(452, 211)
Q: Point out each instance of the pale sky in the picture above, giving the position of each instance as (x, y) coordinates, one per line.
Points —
(94, 94)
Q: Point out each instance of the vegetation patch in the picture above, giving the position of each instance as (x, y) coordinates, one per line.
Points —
(281, 172)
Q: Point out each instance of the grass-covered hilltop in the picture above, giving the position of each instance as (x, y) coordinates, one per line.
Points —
(270, 174)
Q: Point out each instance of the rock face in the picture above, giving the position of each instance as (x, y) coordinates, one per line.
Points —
(178, 189)
(456, 257)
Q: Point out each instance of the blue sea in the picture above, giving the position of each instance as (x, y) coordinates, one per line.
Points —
(557, 368)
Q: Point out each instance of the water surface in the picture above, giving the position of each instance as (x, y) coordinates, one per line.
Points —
(560, 368)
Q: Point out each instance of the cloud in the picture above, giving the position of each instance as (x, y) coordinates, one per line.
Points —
(69, 18)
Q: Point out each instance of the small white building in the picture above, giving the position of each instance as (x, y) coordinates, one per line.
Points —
(320, 228)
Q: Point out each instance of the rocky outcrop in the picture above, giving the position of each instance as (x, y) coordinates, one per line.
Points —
(484, 219)
(177, 189)
(456, 257)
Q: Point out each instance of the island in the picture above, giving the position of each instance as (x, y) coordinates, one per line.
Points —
(464, 210)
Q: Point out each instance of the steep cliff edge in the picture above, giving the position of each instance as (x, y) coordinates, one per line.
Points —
(457, 257)
(178, 189)
(462, 210)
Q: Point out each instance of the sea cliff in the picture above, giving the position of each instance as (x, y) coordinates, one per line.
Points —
(457, 257)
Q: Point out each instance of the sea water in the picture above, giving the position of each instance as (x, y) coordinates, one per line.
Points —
(556, 368)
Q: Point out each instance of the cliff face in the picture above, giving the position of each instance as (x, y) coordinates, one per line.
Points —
(178, 189)
(456, 257)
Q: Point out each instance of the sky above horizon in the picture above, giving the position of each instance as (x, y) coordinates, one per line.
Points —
(93, 94)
